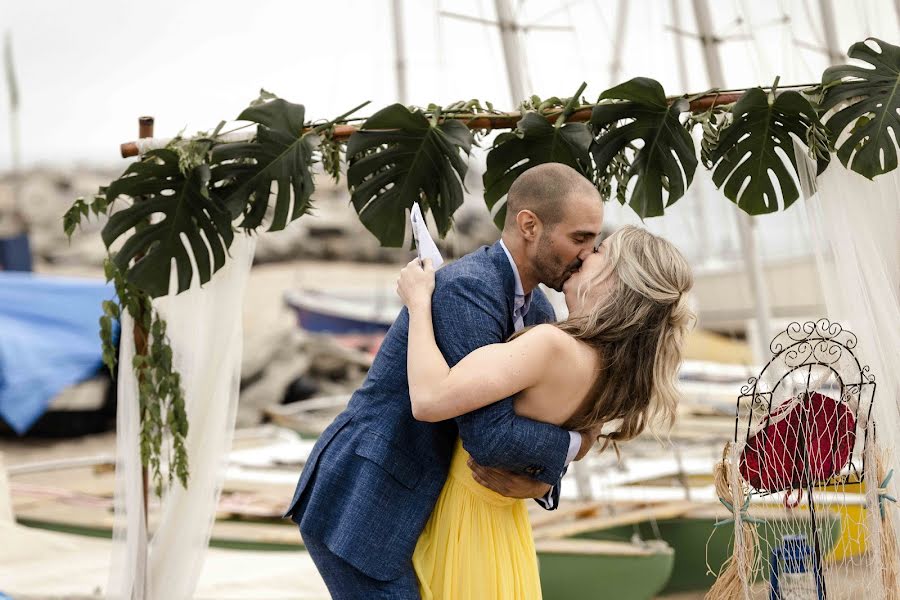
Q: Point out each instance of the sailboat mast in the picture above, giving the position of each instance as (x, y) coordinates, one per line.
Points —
(746, 233)
(512, 50)
(615, 67)
(399, 51)
(832, 49)
(699, 206)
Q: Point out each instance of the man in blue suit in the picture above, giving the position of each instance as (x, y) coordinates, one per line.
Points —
(374, 475)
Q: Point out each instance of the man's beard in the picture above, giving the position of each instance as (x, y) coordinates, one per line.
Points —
(552, 273)
(569, 271)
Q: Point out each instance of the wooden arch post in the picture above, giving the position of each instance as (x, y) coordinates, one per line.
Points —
(141, 339)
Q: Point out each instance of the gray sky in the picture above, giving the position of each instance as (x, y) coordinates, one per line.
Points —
(87, 70)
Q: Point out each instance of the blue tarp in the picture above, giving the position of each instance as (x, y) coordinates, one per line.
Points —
(49, 339)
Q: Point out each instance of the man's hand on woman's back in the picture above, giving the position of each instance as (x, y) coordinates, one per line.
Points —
(588, 439)
(507, 483)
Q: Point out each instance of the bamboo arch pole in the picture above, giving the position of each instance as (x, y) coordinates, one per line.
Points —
(509, 120)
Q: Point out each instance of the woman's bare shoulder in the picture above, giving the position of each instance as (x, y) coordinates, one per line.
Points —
(548, 334)
(553, 337)
(550, 342)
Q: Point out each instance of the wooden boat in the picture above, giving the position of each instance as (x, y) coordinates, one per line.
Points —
(846, 502)
(75, 495)
(337, 312)
(697, 542)
(78, 500)
(588, 569)
(581, 546)
(310, 417)
(236, 534)
(688, 528)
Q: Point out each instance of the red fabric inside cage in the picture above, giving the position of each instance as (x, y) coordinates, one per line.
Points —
(773, 459)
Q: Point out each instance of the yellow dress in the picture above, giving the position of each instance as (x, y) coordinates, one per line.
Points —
(477, 544)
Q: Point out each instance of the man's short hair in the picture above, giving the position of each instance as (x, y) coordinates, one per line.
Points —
(544, 190)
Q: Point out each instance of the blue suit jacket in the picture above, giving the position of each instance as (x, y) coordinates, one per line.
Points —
(374, 475)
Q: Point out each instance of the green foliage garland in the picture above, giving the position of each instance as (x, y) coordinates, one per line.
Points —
(759, 142)
(535, 141)
(636, 147)
(665, 160)
(400, 156)
(870, 106)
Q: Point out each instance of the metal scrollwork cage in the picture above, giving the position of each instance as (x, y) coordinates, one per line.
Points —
(805, 421)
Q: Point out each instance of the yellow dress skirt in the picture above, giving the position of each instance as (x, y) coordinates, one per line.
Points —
(477, 544)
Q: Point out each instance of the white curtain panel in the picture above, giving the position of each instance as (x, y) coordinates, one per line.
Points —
(855, 230)
(206, 333)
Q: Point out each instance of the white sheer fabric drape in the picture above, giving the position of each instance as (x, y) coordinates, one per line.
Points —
(205, 328)
(855, 231)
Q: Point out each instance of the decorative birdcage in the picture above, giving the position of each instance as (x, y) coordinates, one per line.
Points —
(800, 476)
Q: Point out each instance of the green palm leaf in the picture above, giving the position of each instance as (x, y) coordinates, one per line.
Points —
(666, 158)
(243, 172)
(533, 142)
(868, 149)
(399, 157)
(187, 209)
(758, 145)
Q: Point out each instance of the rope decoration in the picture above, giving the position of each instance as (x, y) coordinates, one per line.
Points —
(740, 566)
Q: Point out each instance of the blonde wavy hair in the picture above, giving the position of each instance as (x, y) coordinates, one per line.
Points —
(639, 330)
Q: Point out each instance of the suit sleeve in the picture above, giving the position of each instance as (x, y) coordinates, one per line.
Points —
(466, 316)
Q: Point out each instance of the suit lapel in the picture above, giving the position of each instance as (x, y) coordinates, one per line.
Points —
(501, 263)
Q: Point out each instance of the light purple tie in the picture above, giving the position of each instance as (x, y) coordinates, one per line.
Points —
(518, 320)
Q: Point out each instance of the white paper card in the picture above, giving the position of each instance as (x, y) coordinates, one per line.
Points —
(424, 243)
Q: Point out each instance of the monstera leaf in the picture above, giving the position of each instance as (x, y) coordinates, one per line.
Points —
(665, 159)
(868, 149)
(187, 209)
(399, 157)
(745, 155)
(243, 172)
(533, 142)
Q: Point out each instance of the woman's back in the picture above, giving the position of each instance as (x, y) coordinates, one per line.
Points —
(569, 375)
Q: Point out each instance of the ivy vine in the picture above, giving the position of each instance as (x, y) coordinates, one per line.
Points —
(164, 423)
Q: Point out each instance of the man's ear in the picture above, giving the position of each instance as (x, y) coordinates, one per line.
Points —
(528, 224)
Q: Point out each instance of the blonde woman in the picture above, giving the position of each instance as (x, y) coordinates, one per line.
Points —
(614, 359)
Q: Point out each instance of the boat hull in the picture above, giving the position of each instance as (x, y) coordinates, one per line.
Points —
(695, 541)
(569, 572)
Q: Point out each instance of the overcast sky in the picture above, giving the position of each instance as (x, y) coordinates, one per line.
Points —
(86, 70)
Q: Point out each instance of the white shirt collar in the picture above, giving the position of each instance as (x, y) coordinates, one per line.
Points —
(522, 300)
